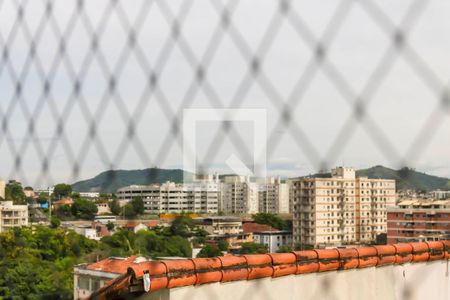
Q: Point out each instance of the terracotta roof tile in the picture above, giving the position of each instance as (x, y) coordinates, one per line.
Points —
(177, 273)
(114, 265)
(255, 227)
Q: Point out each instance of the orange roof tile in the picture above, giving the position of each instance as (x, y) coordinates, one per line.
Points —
(255, 227)
(171, 274)
(113, 265)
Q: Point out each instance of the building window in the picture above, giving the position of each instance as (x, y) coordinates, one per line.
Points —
(95, 284)
(83, 283)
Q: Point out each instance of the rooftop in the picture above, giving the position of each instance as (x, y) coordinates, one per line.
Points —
(422, 202)
(255, 227)
(118, 265)
(151, 276)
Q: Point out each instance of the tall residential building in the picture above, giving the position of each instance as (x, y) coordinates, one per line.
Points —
(273, 196)
(239, 195)
(418, 220)
(341, 209)
(12, 215)
(2, 189)
(197, 197)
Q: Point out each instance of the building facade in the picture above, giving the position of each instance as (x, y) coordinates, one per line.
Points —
(273, 239)
(341, 209)
(442, 195)
(197, 197)
(239, 195)
(419, 220)
(224, 228)
(12, 215)
(220, 225)
(273, 196)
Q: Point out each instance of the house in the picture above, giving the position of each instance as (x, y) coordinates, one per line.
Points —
(135, 226)
(101, 229)
(90, 277)
(224, 228)
(269, 236)
(64, 201)
(87, 231)
(12, 215)
(103, 208)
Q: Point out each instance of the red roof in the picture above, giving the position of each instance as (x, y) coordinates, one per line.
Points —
(113, 265)
(130, 225)
(64, 201)
(255, 227)
(151, 223)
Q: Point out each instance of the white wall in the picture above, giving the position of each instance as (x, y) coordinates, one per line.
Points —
(416, 281)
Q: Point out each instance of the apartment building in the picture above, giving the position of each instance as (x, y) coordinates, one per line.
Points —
(12, 215)
(341, 209)
(197, 197)
(418, 220)
(2, 189)
(273, 196)
(239, 195)
(438, 194)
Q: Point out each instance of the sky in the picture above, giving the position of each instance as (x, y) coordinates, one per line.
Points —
(310, 68)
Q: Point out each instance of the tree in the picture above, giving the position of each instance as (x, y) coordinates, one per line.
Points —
(284, 249)
(14, 192)
(64, 212)
(269, 219)
(115, 207)
(55, 222)
(128, 211)
(223, 245)
(43, 198)
(209, 251)
(75, 196)
(138, 205)
(37, 263)
(110, 225)
(62, 190)
(145, 242)
(84, 209)
(182, 226)
(252, 248)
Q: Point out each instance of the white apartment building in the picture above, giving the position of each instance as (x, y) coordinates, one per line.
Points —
(12, 215)
(442, 195)
(197, 197)
(239, 195)
(2, 189)
(273, 196)
(340, 210)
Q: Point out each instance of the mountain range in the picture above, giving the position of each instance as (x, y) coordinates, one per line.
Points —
(111, 181)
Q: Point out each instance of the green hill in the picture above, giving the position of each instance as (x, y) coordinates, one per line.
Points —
(407, 178)
(111, 181)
